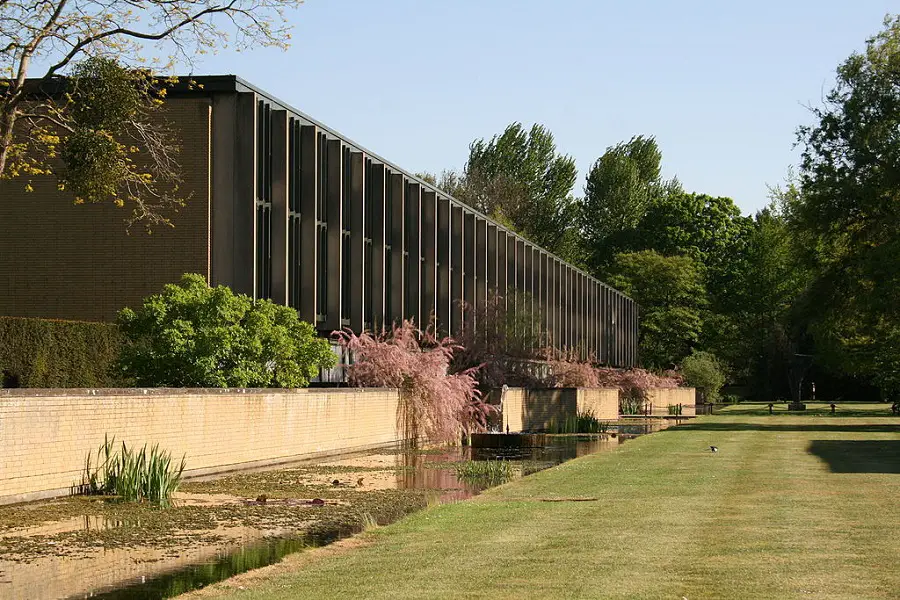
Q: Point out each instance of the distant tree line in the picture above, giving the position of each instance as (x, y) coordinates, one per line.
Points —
(813, 276)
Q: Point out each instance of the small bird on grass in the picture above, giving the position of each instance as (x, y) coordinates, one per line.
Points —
(336, 483)
(359, 482)
(714, 448)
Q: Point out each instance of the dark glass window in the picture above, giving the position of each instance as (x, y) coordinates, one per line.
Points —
(294, 265)
(368, 254)
(264, 200)
(388, 237)
(345, 238)
(322, 232)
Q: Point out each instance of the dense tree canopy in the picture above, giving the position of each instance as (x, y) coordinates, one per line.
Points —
(519, 179)
(669, 290)
(618, 192)
(849, 214)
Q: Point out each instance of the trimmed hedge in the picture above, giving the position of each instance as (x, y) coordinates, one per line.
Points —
(42, 353)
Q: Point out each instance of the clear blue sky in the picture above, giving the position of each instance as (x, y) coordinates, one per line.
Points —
(722, 85)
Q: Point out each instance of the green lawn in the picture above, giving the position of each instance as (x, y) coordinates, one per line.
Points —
(790, 507)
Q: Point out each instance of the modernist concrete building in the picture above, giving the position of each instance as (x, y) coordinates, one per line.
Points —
(285, 208)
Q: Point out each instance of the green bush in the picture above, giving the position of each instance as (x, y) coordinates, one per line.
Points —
(192, 335)
(42, 353)
(703, 370)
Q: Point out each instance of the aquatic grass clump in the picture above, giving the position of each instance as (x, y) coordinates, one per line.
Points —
(485, 472)
(674, 409)
(583, 422)
(145, 475)
(632, 404)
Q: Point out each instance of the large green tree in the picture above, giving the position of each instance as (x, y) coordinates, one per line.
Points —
(669, 290)
(519, 179)
(849, 214)
(766, 327)
(619, 189)
(709, 229)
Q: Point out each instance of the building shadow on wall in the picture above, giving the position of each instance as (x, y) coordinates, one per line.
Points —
(858, 456)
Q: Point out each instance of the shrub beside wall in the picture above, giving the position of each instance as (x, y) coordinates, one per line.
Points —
(47, 353)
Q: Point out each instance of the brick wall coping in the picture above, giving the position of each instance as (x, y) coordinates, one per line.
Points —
(112, 392)
(551, 389)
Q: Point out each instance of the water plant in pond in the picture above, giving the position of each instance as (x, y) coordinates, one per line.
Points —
(674, 409)
(632, 404)
(485, 472)
(145, 475)
(583, 422)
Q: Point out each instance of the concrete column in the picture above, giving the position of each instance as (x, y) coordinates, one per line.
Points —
(398, 248)
(550, 300)
(280, 178)
(376, 195)
(491, 256)
(480, 265)
(501, 264)
(604, 325)
(521, 287)
(224, 127)
(428, 269)
(511, 283)
(545, 298)
(334, 211)
(469, 267)
(457, 271)
(309, 191)
(528, 285)
(444, 283)
(413, 252)
(244, 215)
(592, 315)
(580, 280)
(357, 260)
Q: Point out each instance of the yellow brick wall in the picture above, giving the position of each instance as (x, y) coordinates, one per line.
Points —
(661, 398)
(513, 403)
(535, 409)
(58, 260)
(603, 403)
(44, 438)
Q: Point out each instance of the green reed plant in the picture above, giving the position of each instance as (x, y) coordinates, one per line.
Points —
(632, 404)
(674, 409)
(583, 422)
(485, 472)
(145, 475)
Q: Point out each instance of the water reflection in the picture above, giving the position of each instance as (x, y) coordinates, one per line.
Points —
(152, 573)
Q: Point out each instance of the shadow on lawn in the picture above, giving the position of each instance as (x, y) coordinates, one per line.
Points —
(844, 411)
(858, 456)
(849, 427)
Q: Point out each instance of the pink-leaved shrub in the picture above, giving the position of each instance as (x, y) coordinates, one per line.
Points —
(435, 404)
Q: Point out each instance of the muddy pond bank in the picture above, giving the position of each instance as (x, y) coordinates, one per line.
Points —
(95, 547)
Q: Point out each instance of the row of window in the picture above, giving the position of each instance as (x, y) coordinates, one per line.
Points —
(590, 315)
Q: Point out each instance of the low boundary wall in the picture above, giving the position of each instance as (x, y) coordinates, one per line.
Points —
(46, 434)
(535, 409)
(661, 398)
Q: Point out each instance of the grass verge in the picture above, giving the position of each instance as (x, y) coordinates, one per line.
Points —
(792, 506)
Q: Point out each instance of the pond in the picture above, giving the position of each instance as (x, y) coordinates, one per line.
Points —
(89, 547)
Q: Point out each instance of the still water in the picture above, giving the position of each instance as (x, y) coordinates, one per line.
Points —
(152, 573)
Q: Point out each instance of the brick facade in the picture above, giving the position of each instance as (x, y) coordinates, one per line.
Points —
(58, 260)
